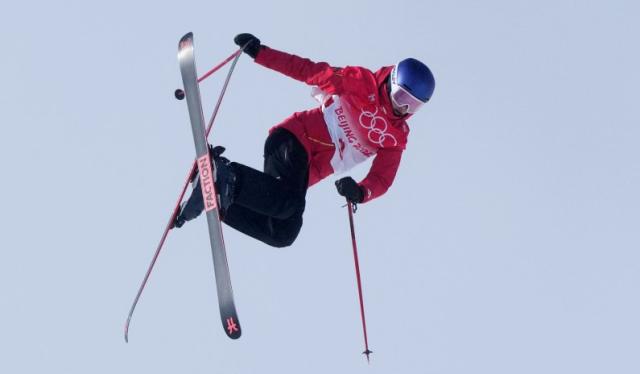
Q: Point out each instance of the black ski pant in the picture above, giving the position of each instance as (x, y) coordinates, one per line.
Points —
(268, 205)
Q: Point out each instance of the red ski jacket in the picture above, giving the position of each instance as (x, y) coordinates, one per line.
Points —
(354, 122)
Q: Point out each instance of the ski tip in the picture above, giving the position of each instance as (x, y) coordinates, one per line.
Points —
(187, 38)
(185, 45)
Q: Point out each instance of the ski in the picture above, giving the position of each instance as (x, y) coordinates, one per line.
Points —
(228, 313)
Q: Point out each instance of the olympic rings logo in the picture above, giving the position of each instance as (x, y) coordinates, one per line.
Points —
(377, 127)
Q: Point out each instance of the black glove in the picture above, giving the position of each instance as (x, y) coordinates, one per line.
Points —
(348, 188)
(251, 42)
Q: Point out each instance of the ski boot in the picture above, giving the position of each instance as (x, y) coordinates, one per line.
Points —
(225, 187)
(226, 179)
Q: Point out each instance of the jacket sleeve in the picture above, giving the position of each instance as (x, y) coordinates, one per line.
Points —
(382, 173)
(319, 74)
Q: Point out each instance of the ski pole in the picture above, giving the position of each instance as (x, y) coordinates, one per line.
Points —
(235, 56)
(179, 93)
(352, 208)
(217, 67)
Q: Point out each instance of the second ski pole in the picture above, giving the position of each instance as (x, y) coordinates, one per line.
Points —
(351, 208)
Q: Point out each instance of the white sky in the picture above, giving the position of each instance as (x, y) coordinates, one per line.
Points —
(508, 244)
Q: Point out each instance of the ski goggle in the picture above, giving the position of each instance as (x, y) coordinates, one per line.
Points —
(403, 101)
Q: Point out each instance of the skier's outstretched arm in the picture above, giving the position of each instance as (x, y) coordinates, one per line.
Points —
(382, 173)
(302, 69)
(377, 182)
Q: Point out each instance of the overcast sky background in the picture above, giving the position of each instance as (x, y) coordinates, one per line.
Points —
(508, 243)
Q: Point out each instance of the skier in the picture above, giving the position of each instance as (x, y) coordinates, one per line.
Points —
(362, 114)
